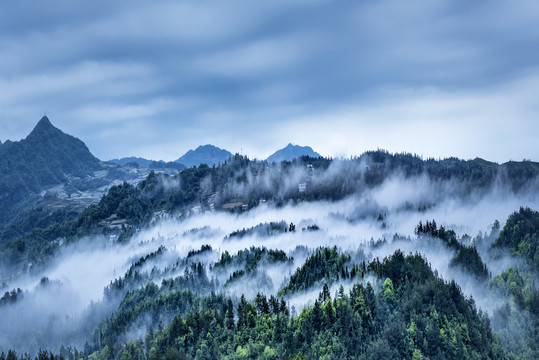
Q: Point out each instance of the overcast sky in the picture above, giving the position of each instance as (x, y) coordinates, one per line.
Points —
(157, 78)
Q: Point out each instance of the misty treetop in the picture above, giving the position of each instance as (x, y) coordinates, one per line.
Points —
(516, 319)
(430, 228)
(415, 315)
(466, 258)
(325, 265)
(263, 230)
(408, 312)
(521, 236)
(250, 258)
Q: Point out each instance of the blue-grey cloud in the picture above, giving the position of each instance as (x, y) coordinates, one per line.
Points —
(156, 78)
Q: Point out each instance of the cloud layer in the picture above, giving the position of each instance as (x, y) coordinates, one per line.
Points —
(155, 79)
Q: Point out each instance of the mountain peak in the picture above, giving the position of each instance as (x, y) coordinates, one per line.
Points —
(65, 153)
(43, 127)
(204, 154)
(44, 120)
(290, 152)
(44, 123)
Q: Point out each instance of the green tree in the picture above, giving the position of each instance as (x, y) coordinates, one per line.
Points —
(388, 292)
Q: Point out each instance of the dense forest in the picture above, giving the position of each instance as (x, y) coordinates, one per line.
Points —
(413, 315)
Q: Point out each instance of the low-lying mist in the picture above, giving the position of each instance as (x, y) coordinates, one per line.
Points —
(52, 312)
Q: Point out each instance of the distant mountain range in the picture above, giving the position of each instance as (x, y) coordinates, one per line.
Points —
(204, 154)
(213, 155)
(47, 155)
(290, 152)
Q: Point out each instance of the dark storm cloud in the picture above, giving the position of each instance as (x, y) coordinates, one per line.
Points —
(156, 78)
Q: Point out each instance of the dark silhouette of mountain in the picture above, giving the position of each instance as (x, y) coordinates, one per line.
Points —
(290, 152)
(204, 154)
(45, 157)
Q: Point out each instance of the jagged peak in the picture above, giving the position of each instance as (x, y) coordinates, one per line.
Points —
(43, 126)
(44, 120)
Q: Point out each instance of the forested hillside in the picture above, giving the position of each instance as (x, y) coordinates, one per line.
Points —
(413, 315)
(520, 236)
(240, 184)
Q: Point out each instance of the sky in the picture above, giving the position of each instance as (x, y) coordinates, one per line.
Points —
(155, 79)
